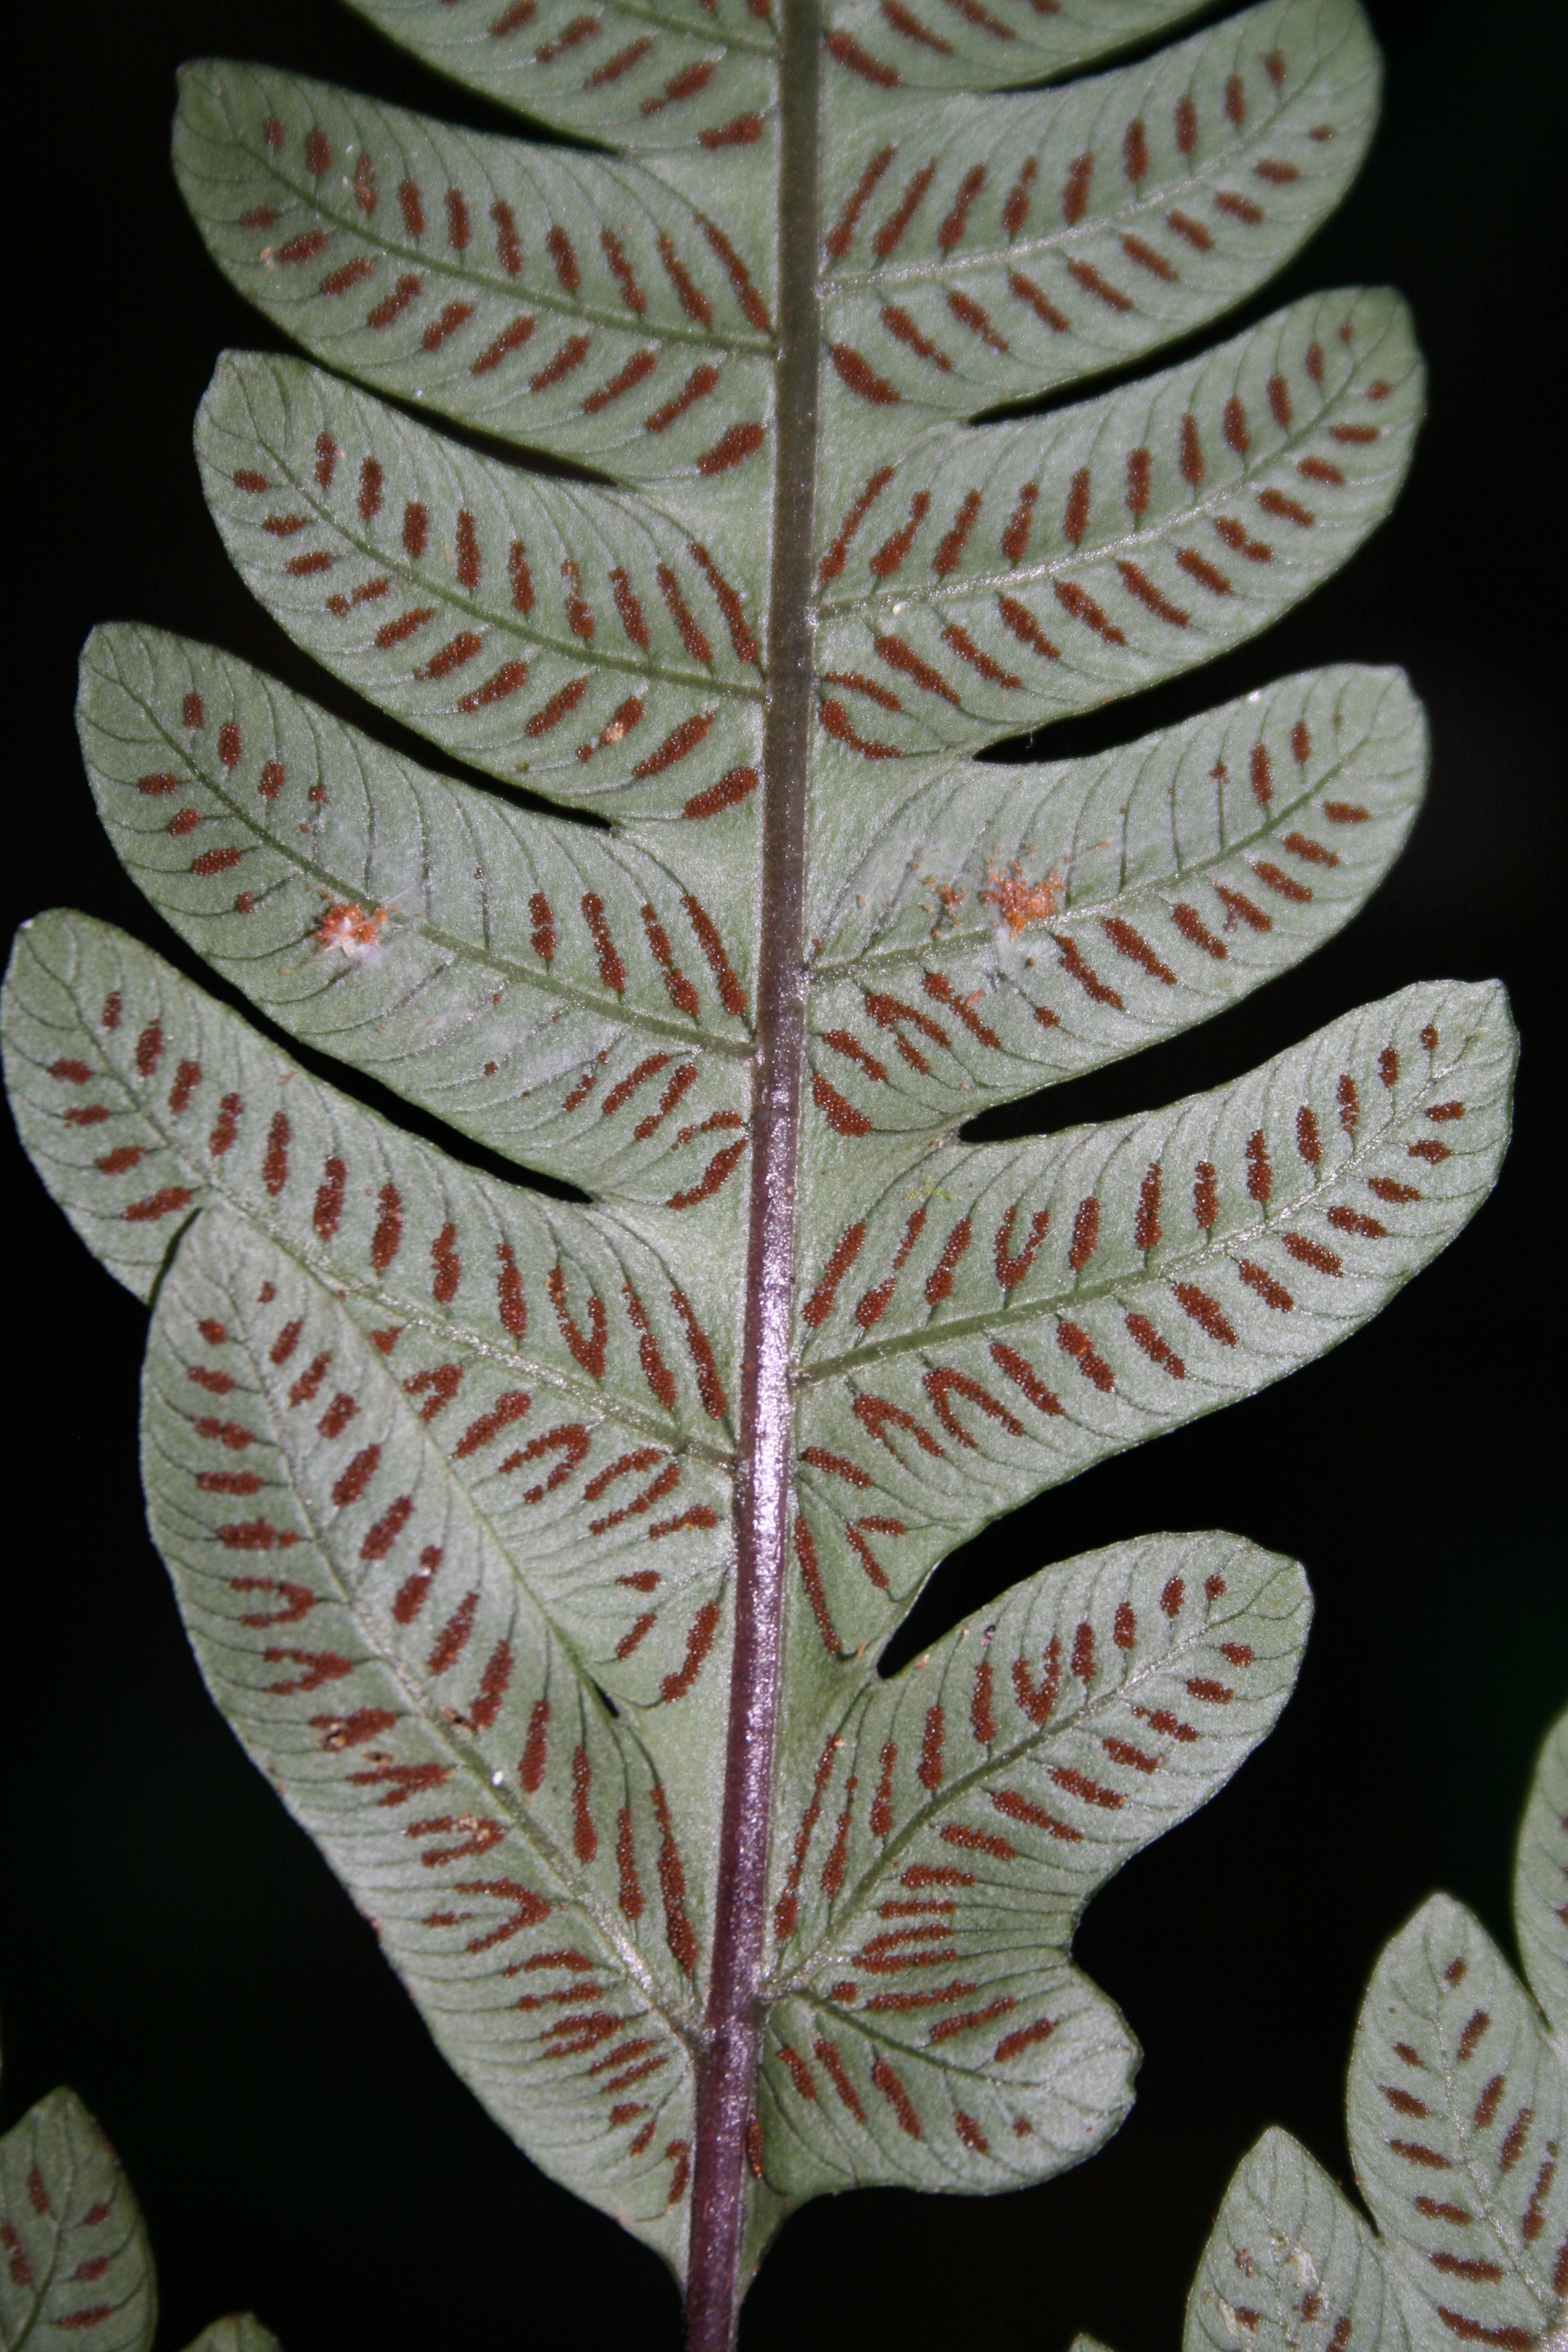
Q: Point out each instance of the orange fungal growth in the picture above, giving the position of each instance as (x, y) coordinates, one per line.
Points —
(1021, 903)
(348, 927)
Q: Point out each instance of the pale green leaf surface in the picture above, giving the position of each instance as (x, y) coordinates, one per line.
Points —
(446, 1474)
(1457, 2108)
(982, 930)
(961, 45)
(545, 296)
(1291, 2266)
(637, 693)
(1001, 577)
(381, 1659)
(986, 249)
(664, 75)
(360, 1626)
(944, 1838)
(515, 974)
(668, 77)
(75, 2265)
(550, 1350)
(454, 980)
(996, 1318)
(242, 2333)
(1456, 2104)
(1541, 1880)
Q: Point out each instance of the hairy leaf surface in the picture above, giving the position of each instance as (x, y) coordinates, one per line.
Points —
(950, 47)
(668, 75)
(1290, 2260)
(1457, 2109)
(544, 1552)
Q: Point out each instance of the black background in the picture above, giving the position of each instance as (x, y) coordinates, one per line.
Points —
(174, 1948)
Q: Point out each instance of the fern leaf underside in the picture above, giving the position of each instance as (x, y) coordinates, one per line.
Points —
(1458, 2085)
(502, 1524)
(78, 2268)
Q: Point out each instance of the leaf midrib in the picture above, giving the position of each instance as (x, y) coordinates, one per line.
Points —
(439, 266)
(461, 951)
(1466, 2137)
(68, 2223)
(342, 1282)
(968, 936)
(1199, 178)
(832, 1948)
(1156, 531)
(451, 592)
(520, 1821)
(1176, 1262)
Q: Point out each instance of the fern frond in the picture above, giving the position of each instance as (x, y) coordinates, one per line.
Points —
(544, 1551)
